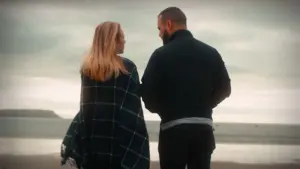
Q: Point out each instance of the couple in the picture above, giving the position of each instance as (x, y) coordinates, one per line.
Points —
(183, 81)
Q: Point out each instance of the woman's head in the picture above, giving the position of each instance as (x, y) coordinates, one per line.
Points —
(103, 60)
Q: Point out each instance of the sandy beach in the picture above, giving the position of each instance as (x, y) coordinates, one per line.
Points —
(52, 161)
(257, 127)
(33, 143)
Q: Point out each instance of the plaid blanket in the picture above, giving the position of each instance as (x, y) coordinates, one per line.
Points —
(109, 131)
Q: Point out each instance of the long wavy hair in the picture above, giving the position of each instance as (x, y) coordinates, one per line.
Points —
(103, 61)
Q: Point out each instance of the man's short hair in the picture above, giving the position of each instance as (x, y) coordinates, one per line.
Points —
(173, 14)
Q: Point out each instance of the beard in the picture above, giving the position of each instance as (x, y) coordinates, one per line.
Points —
(165, 37)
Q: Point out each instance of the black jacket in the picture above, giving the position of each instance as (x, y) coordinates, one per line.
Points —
(184, 78)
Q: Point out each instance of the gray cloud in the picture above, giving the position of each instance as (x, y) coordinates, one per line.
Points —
(256, 36)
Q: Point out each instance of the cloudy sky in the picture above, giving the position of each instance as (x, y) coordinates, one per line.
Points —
(256, 37)
(42, 44)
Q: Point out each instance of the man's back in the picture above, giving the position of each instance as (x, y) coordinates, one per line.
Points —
(183, 81)
(188, 70)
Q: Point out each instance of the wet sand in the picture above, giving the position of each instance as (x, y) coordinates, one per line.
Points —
(53, 162)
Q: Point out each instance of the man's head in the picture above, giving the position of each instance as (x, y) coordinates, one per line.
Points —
(170, 20)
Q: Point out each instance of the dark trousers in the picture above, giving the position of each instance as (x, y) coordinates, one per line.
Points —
(186, 145)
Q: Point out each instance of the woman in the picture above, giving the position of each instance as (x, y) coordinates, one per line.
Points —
(109, 132)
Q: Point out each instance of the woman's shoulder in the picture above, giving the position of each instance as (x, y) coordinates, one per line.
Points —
(129, 64)
(131, 68)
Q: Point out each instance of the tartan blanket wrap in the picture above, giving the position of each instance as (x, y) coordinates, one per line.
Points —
(110, 126)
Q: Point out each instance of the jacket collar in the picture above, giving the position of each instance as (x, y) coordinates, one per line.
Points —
(180, 34)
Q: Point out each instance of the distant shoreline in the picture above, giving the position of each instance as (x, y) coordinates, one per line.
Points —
(242, 133)
(33, 113)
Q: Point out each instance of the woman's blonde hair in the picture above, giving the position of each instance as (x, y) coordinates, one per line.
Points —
(103, 61)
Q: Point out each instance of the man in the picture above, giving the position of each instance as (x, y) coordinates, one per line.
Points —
(183, 81)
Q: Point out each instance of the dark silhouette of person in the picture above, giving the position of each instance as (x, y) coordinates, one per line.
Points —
(183, 81)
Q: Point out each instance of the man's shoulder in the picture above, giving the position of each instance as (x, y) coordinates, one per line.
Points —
(186, 44)
(159, 50)
(204, 49)
(205, 45)
(193, 45)
(157, 54)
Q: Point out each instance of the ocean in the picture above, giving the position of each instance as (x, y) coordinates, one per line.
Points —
(256, 101)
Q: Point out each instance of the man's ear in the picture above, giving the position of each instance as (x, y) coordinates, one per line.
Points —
(169, 25)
